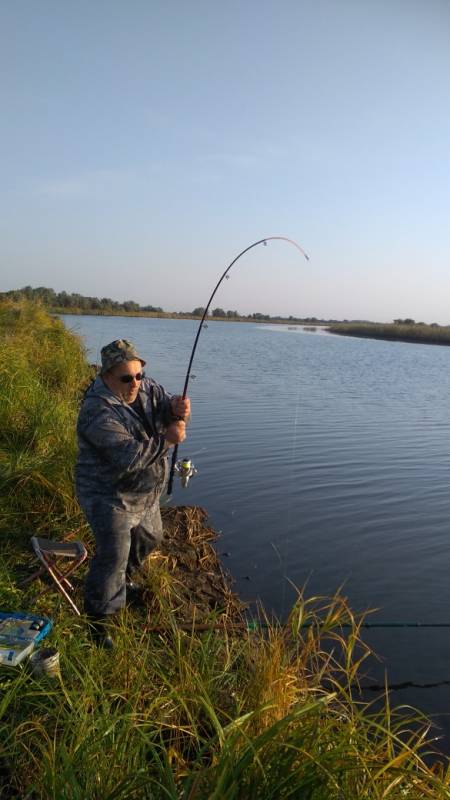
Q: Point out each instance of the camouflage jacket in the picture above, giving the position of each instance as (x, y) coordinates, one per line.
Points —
(121, 456)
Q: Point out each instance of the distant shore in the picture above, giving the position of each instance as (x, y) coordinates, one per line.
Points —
(410, 333)
(415, 333)
(181, 315)
(401, 330)
(75, 304)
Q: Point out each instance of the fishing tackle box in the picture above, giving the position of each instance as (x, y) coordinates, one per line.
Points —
(19, 633)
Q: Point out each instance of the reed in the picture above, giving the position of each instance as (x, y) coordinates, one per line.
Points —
(180, 715)
(223, 713)
(42, 370)
(420, 333)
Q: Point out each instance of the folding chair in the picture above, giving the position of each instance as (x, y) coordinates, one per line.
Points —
(49, 552)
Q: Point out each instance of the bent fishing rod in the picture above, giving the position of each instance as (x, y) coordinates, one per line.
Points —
(205, 313)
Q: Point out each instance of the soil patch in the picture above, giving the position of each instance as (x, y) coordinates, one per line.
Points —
(199, 589)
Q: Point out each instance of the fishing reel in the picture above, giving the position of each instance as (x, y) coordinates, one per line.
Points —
(186, 470)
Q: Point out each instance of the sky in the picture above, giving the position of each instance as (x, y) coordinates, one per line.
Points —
(145, 144)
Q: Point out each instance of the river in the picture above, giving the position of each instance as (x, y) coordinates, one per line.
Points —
(322, 460)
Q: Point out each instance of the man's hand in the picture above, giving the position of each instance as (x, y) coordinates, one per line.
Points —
(180, 408)
(176, 432)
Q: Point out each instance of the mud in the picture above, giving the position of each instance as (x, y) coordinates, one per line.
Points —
(187, 569)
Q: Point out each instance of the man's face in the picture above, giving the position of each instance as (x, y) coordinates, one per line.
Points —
(127, 391)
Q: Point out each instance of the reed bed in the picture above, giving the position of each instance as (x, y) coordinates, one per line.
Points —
(194, 702)
(420, 333)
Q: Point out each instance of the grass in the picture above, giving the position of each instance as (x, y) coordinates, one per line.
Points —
(179, 714)
(42, 370)
(418, 332)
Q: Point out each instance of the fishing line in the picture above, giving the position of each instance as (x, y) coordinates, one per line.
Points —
(282, 557)
(200, 327)
(396, 687)
(253, 625)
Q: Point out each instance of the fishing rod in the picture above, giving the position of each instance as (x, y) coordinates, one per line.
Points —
(205, 313)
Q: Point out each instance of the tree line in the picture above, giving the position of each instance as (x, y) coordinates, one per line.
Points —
(75, 301)
(52, 299)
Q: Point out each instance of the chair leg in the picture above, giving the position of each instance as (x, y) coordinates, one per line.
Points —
(59, 577)
(75, 565)
(33, 577)
(61, 589)
(63, 576)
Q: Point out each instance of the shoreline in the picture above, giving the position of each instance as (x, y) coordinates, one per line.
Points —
(411, 334)
(180, 315)
(420, 334)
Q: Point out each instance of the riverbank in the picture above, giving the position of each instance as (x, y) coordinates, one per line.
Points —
(194, 703)
(261, 319)
(420, 334)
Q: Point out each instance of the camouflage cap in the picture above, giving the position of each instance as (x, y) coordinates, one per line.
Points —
(117, 352)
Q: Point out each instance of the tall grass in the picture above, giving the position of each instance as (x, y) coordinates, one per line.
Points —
(42, 369)
(421, 333)
(261, 715)
(177, 714)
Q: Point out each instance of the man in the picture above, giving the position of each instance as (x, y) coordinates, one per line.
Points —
(126, 425)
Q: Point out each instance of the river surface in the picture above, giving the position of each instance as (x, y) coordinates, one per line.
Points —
(322, 460)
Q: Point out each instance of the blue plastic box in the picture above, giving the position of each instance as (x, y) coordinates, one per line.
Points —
(19, 633)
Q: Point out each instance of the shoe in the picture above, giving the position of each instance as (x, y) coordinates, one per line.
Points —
(135, 595)
(100, 635)
(131, 584)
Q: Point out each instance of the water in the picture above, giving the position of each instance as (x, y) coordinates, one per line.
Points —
(322, 460)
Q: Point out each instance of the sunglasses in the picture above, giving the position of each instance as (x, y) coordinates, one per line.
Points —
(130, 378)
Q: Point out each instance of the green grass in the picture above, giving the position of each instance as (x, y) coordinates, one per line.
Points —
(42, 369)
(209, 716)
(179, 715)
(420, 333)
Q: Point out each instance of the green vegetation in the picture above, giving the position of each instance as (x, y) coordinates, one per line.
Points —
(219, 714)
(74, 303)
(41, 371)
(65, 301)
(401, 330)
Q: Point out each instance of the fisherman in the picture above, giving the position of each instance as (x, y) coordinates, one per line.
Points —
(126, 425)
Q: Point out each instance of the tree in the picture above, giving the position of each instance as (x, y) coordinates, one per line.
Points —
(130, 305)
(63, 299)
(407, 321)
(218, 312)
(198, 312)
(47, 296)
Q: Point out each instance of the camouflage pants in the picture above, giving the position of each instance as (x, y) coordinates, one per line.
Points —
(123, 540)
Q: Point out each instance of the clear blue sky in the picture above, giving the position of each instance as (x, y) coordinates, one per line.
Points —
(145, 143)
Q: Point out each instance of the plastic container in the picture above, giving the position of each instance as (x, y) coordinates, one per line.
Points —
(19, 633)
(45, 662)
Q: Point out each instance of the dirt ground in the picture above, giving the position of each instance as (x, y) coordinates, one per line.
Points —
(186, 568)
